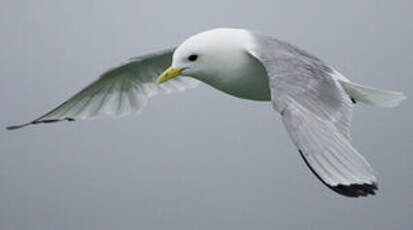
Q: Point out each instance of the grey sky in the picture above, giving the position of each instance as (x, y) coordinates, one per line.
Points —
(198, 159)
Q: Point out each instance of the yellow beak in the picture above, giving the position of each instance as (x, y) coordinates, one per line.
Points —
(168, 74)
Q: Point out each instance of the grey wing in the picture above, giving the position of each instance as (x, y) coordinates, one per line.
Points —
(316, 112)
(122, 90)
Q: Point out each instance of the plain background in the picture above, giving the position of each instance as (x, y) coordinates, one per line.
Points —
(198, 159)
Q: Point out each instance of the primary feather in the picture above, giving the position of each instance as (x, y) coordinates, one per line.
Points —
(122, 90)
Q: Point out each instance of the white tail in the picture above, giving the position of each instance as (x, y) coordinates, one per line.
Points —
(372, 96)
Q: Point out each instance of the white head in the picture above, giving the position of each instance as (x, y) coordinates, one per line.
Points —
(208, 53)
(218, 57)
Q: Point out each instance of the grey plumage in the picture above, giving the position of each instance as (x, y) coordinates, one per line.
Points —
(316, 112)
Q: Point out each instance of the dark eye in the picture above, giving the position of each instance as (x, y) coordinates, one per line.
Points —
(193, 57)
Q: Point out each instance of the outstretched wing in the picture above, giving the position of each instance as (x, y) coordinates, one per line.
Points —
(120, 91)
(316, 112)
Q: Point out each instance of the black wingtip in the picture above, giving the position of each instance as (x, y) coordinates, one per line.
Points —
(356, 190)
(14, 127)
(352, 190)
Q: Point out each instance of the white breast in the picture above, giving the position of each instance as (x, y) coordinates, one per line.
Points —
(245, 78)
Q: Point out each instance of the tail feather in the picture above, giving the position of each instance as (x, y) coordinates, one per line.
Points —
(373, 96)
